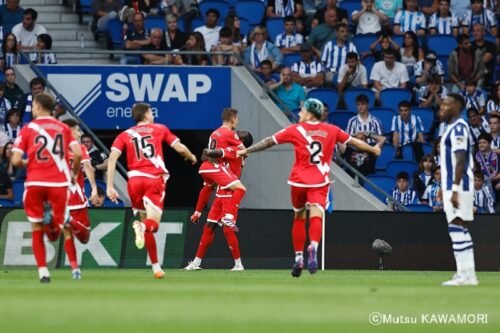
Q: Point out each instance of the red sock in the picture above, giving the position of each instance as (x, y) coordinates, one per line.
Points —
(203, 197)
(53, 232)
(81, 232)
(232, 242)
(236, 198)
(39, 248)
(151, 225)
(206, 240)
(151, 246)
(315, 228)
(299, 234)
(69, 246)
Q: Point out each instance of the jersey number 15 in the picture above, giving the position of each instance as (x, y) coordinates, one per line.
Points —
(143, 147)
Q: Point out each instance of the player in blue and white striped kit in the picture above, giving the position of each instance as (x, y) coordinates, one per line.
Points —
(457, 183)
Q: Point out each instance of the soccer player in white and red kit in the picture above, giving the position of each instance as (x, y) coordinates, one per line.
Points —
(215, 172)
(220, 204)
(47, 142)
(146, 176)
(314, 143)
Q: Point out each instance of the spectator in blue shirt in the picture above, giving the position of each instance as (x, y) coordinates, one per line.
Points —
(402, 192)
(290, 93)
(10, 15)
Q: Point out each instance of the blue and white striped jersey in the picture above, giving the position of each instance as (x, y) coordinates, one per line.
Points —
(486, 18)
(410, 21)
(407, 131)
(443, 25)
(477, 100)
(456, 138)
(405, 198)
(431, 194)
(308, 70)
(477, 131)
(495, 143)
(284, 40)
(334, 56)
(491, 106)
(483, 201)
(372, 124)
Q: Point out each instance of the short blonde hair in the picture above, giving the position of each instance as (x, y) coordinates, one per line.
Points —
(259, 30)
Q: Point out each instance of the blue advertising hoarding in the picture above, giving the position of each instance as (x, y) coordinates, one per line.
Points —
(181, 97)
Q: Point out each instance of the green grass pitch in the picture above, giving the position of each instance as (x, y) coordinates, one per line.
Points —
(250, 301)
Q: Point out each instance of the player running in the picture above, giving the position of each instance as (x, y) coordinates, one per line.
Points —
(146, 176)
(47, 142)
(457, 183)
(214, 172)
(220, 204)
(314, 143)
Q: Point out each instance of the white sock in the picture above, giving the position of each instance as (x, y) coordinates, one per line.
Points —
(469, 264)
(462, 249)
(156, 267)
(43, 272)
(238, 262)
(197, 261)
(314, 245)
(299, 256)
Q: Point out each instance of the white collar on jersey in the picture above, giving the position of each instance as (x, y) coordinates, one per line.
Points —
(45, 117)
(312, 122)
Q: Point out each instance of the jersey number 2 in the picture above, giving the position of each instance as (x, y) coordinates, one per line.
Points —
(316, 148)
(57, 148)
(143, 147)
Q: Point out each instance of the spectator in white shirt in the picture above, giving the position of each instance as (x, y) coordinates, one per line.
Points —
(388, 73)
(210, 30)
(28, 30)
(369, 19)
(352, 74)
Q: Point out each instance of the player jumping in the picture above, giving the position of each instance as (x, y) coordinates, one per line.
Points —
(220, 204)
(146, 176)
(457, 182)
(314, 143)
(47, 142)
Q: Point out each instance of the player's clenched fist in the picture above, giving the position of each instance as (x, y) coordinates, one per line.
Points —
(112, 194)
(195, 218)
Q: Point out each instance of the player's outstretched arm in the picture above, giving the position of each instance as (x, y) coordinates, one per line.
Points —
(77, 158)
(89, 172)
(361, 145)
(110, 187)
(184, 151)
(259, 146)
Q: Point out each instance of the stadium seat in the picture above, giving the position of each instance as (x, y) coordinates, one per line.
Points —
(385, 183)
(427, 148)
(340, 118)
(368, 62)
(351, 94)
(86, 6)
(419, 208)
(275, 26)
(196, 23)
(221, 5)
(328, 96)
(155, 22)
(18, 189)
(6, 203)
(350, 7)
(252, 11)
(442, 44)
(391, 97)
(363, 42)
(426, 115)
(244, 27)
(115, 32)
(88, 188)
(385, 116)
(408, 153)
(387, 154)
(291, 59)
(181, 24)
(444, 61)
(395, 166)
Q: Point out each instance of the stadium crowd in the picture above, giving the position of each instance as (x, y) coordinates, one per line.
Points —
(381, 66)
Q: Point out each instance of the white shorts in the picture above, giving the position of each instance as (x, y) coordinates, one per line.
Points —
(465, 209)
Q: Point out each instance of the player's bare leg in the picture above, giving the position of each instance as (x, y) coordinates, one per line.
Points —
(39, 252)
(299, 240)
(315, 229)
(148, 225)
(239, 191)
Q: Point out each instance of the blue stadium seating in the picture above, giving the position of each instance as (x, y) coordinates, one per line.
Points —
(444, 61)
(368, 62)
(99, 183)
(442, 44)
(18, 190)
(253, 11)
(427, 148)
(385, 116)
(387, 154)
(385, 183)
(340, 118)
(6, 203)
(350, 7)
(86, 6)
(419, 208)
(275, 26)
(363, 42)
(291, 59)
(408, 153)
(196, 23)
(395, 166)
(155, 22)
(221, 5)
(115, 33)
(244, 27)
(181, 24)
(351, 94)
(391, 97)
(426, 115)
(328, 96)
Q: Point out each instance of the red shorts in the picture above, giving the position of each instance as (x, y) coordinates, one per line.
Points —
(217, 174)
(302, 196)
(35, 196)
(81, 216)
(146, 190)
(218, 209)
